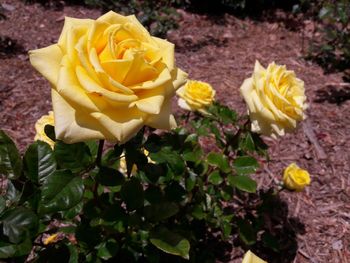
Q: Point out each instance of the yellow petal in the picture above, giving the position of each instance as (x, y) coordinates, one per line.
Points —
(249, 257)
(151, 105)
(167, 51)
(164, 120)
(89, 85)
(71, 125)
(122, 127)
(47, 61)
(69, 23)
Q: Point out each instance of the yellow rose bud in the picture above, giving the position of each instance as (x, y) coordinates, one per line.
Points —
(109, 78)
(51, 239)
(295, 178)
(275, 98)
(40, 128)
(249, 257)
(196, 96)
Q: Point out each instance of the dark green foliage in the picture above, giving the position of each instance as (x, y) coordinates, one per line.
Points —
(166, 207)
(332, 48)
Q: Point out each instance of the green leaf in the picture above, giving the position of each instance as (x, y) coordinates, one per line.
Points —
(10, 160)
(160, 211)
(243, 182)
(61, 191)
(73, 254)
(246, 232)
(19, 223)
(245, 165)
(132, 194)
(219, 160)
(107, 249)
(191, 181)
(8, 250)
(215, 178)
(153, 171)
(110, 177)
(170, 242)
(170, 157)
(247, 143)
(175, 192)
(193, 155)
(271, 242)
(39, 162)
(75, 156)
(12, 194)
(2, 204)
(74, 211)
(50, 132)
(153, 143)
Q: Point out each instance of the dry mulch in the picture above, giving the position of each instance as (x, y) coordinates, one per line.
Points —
(222, 51)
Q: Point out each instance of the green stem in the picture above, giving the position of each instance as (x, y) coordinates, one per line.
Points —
(99, 153)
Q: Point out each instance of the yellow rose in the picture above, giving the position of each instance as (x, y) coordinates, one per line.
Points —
(275, 98)
(295, 178)
(40, 128)
(109, 78)
(195, 96)
(249, 257)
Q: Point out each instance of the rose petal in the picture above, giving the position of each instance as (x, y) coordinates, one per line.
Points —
(47, 61)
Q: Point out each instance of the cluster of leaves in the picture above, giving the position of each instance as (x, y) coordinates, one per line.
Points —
(171, 200)
(158, 16)
(333, 52)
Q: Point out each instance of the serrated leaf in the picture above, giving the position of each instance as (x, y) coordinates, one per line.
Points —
(245, 165)
(132, 194)
(215, 178)
(110, 177)
(246, 232)
(107, 249)
(160, 211)
(243, 182)
(8, 250)
(219, 160)
(10, 159)
(170, 242)
(61, 191)
(170, 157)
(72, 156)
(19, 223)
(39, 162)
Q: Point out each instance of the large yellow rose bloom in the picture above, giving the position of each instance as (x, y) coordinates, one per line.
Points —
(275, 98)
(295, 178)
(109, 78)
(250, 257)
(40, 128)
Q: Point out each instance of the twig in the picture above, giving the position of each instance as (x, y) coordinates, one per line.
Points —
(309, 132)
(342, 84)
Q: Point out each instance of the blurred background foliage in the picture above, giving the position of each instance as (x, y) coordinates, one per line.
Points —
(331, 49)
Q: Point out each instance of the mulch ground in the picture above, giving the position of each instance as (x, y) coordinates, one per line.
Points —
(222, 51)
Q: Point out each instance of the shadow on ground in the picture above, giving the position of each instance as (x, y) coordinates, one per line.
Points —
(333, 94)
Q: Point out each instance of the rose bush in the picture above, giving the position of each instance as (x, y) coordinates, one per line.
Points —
(295, 178)
(109, 78)
(196, 96)
(275, 99)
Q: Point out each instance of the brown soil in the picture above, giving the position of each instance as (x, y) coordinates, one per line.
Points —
(222, 52)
